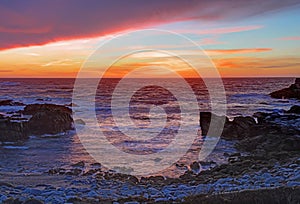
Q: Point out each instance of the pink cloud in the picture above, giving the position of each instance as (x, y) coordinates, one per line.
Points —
(34, 22)
(229, 29)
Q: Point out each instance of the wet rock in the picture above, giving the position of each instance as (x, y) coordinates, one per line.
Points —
(57, 171)
(195, 167)
(12, 201)
(91, 172)
(6, 184)
(96, 165)
(261, 116)
(44, 119)
(118, 177)
(294, 109)
(33, 201)
(80, 164)
(10, 103)
(74, 172)
(48, 119)
(156, 179)
(12, 130)
(239, 128)
(206, 119)
(273, 195)
(291, 92)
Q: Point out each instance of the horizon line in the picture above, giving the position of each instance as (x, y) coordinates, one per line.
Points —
(150, 77)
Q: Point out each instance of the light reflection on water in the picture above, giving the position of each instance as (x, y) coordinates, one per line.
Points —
(39, 154)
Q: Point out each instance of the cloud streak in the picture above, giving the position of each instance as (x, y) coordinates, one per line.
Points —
(223, 30)
(257, 63)
(290, 38)
(33, 22)
(238, 51)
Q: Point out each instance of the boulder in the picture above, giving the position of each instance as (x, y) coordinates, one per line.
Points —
(9, 102)
(239, 128)
(294, 109)
(45, 119)
(12, 130)
(291, 92)
(207, 117)
(195, 167)
(48, 119)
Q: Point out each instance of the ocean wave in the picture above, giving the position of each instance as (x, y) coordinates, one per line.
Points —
(9, 83)
(15, 147)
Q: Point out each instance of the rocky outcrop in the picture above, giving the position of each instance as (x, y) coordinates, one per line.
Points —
(276, 195)
(291, 92)
(10, 103)
(294, 109)
(48, 119)
(41, 119)
(207, 117)
(12, 130)
(239, 128)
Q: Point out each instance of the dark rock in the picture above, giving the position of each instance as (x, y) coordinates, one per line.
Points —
(33, 201)
(91, 172)
(291, 92)
(96, 165)
(273, 195)
(74, 172)
(34, 108)
(10, 103)
(12, 201)
(118, 177)
(195, 167)
(6, 184)
(48, 119)
(205, 122)
(12, 130)
(45, 119)
(5, 102)
(156, 179)
(239, 128)
(261, 116)
(294, 109)
(80, 164)
(57, 171)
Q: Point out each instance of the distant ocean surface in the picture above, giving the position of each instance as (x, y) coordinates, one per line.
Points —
(244, 96)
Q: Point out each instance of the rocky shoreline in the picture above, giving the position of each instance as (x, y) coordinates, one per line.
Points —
(265, 168)
(268, 162)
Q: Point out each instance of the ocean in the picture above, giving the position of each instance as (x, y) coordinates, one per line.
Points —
(244, 96)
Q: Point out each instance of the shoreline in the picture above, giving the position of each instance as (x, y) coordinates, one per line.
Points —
(265, 168)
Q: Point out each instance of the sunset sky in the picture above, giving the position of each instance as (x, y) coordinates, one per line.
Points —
(243, 38)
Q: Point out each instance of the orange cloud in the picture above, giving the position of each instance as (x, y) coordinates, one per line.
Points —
(238, 51)
(257, 63)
